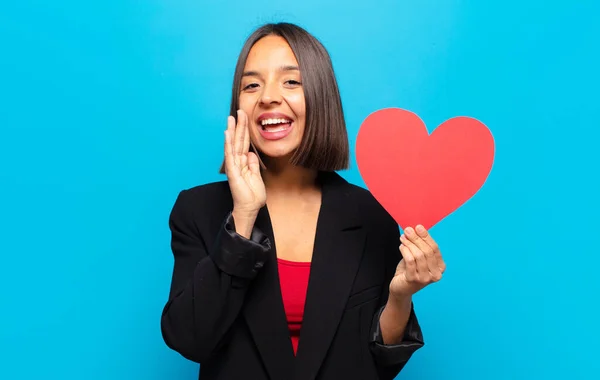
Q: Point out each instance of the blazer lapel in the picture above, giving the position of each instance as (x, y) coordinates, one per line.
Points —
(337, 254)
(265, 313)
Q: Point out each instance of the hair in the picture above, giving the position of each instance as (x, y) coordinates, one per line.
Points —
(324, 145)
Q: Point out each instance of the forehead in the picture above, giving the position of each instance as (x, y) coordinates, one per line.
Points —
(270, 52)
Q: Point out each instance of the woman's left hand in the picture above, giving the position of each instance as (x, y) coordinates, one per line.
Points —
(422, 263)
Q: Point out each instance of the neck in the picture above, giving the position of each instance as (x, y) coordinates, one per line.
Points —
(284, 178)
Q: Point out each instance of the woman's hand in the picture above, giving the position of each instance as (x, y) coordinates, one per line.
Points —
(422, 263)
(243, 174)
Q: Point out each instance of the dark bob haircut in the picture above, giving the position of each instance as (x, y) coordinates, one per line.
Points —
(324, 145)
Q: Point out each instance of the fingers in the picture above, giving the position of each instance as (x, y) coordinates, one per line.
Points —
(253, 163)
(237, 141)
(423, 274)
(246, 133)
(241, 147)
(428, 267)
(410, 264)
(429, 254)
(229, 159)
(241, 130)
(426, 237)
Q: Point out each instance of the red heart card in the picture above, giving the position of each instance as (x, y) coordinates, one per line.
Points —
(421, 178)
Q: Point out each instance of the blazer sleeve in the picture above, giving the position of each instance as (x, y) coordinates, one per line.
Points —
(392, 358)
(208, 283)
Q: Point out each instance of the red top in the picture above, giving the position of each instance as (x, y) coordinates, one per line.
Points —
(293, 277)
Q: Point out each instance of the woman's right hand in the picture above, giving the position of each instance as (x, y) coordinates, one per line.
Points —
(243, 174)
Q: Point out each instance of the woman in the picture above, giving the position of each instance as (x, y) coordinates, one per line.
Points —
(285, 270)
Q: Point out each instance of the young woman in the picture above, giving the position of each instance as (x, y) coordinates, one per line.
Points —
(286, 271)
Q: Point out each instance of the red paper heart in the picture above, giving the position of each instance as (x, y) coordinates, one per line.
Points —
(420, 178)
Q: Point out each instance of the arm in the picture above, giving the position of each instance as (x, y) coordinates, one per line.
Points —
(208, 284)
(394, 318)
(395, 331)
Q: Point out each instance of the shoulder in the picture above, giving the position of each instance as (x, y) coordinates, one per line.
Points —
(210, 193)
(202, 202)
(372, 213)
(383, 232)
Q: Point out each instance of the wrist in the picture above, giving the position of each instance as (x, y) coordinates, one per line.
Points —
(244, 222)
(399, 303)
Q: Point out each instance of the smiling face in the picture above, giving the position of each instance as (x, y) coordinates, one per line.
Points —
(272, 96)
(294, 117)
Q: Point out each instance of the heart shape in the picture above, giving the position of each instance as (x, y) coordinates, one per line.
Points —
(417, 177)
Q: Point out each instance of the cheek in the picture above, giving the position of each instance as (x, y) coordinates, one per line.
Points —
(254, 134)
(247, 103)
(297, 104)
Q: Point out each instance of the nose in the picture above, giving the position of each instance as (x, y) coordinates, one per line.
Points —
(271, 94)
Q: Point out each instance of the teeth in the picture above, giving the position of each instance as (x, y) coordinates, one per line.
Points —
(276, 129)
(273, 121)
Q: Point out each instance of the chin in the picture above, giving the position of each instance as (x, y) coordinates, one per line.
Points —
(277, 152)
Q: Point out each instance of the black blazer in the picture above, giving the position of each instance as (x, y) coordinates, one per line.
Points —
(225, 309)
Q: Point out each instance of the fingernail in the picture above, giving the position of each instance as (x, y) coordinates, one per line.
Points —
(420, 228)
(408, 231)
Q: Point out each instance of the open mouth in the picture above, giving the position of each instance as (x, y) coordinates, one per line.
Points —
(275, 125)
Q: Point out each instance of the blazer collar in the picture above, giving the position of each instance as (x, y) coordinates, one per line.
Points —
(336, 257)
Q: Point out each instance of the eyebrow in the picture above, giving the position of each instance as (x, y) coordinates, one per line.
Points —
(282, 68)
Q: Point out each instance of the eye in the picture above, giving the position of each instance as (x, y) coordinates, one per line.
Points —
(250, 86)
(292, 82)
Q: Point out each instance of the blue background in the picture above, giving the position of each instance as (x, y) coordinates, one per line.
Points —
(109, 108)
